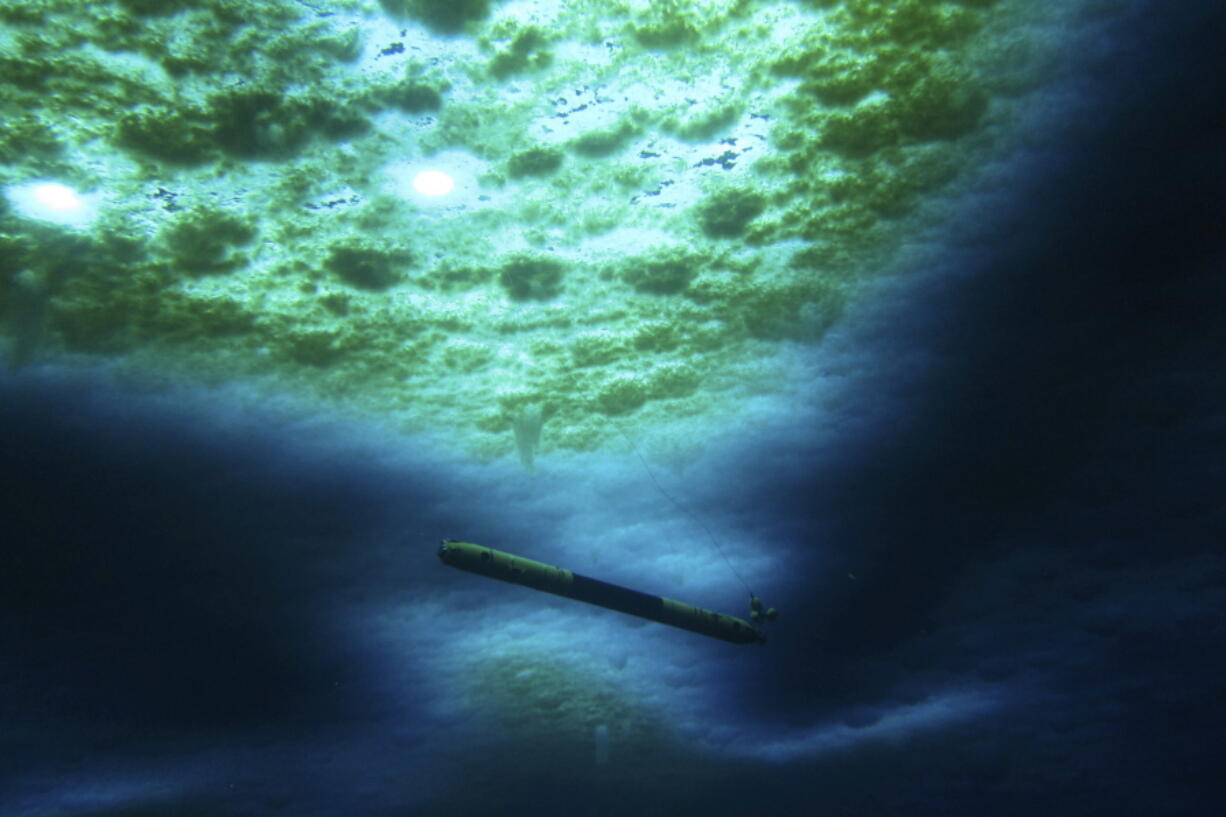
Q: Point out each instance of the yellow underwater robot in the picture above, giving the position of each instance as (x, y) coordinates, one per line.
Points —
(497, 564)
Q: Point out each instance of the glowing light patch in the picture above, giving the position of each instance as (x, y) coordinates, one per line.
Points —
(433, 183)
(430, 188)
(58, 197)
(54, 202)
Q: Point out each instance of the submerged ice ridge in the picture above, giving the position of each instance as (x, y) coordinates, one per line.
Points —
(896, 724)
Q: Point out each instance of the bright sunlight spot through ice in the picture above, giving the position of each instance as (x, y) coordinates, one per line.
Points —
(433, 183)
(54, 202)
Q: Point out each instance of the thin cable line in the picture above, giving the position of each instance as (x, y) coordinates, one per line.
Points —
(693, 517)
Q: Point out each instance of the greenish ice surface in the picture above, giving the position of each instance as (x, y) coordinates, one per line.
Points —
(650, 207)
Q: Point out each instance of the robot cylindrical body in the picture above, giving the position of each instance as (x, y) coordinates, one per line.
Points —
(508, 567)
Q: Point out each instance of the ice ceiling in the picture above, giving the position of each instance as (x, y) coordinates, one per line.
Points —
(649, 205)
